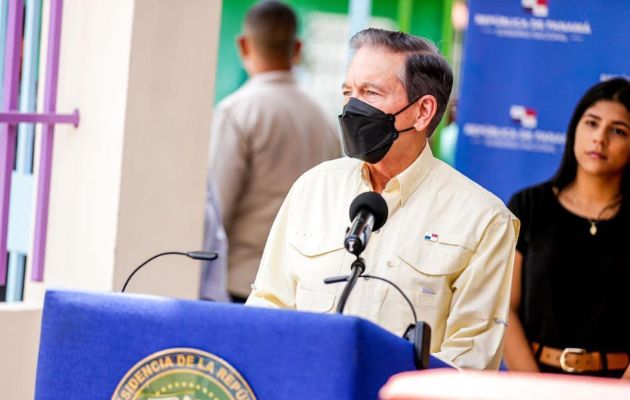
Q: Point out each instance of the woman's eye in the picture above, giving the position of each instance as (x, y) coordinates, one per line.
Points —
(618, 131)
(591, 123)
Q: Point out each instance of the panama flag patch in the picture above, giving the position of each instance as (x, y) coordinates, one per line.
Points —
(433, 237)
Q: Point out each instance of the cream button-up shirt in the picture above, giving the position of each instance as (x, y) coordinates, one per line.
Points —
(448, 244)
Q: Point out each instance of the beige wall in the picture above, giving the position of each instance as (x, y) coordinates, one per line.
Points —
(170, 92)
(19, 337)
(129, 182)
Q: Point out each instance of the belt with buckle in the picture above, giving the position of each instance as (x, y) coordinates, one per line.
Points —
(575, 360)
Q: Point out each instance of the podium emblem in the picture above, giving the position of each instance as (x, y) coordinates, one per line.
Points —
(183, 374)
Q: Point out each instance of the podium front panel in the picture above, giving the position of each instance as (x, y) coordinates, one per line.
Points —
(90, 341)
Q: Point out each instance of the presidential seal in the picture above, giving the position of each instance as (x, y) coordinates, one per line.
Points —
(183, 374)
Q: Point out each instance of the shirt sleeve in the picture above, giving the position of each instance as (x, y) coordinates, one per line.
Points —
(481, 294)
(213, 285)
(227, 161)
(275, 284)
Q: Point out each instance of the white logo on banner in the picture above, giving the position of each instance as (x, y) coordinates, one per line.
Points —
(523, 138)
(526, 116)
(537, 27)
(539, 8)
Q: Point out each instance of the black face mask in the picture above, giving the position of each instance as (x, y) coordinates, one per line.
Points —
(367, 132)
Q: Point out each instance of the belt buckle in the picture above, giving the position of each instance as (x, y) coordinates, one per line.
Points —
(563, 361)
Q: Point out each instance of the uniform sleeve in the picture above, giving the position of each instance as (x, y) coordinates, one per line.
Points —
(227, 161)
(481, 294)
(275, 284)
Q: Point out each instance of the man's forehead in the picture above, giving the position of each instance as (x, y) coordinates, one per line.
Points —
(375, 65)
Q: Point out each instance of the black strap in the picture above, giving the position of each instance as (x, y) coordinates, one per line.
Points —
(604, 361)
(538, 352)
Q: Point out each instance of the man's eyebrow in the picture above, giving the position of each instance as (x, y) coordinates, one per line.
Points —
(375, 86)
(344, 85)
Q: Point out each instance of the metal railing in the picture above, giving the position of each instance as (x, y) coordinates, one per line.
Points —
(18, 104)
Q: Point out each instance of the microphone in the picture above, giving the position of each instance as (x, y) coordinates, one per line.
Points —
(368, 212)
(195, 255)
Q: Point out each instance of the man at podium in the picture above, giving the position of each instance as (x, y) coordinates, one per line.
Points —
(448, 243)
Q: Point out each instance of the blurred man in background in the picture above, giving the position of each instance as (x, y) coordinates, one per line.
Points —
(263, 137)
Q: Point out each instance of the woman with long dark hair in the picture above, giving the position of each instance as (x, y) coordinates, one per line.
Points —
(570, 303)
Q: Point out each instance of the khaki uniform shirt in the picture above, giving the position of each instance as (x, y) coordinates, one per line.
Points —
(263, 137)
(448, 244)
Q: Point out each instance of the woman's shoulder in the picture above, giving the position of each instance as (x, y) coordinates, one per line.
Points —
(534, 193)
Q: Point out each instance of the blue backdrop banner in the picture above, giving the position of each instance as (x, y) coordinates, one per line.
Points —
(526, 64)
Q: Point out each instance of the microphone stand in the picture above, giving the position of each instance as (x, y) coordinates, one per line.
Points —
(357, 268)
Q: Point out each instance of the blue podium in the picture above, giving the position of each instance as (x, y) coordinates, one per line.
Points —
(123, 346)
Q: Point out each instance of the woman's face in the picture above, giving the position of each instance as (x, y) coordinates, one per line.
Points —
(602, 139)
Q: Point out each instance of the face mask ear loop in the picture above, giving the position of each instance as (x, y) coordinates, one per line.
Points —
(405, 130)
(407, 106)
(403, 109)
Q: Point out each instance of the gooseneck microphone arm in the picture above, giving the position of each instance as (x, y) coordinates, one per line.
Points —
(344, 278)
(357, 268)
(413, 310)
(196, 255)
(418, 333)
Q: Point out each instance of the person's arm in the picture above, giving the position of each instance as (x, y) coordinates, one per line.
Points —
(227, 161)
(275, 285)
(518, 353)
(626, 375)
(475, 326)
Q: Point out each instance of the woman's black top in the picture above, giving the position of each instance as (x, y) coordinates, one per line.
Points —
(575, 287)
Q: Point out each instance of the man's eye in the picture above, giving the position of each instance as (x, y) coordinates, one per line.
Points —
(372, 93)
(346, 92)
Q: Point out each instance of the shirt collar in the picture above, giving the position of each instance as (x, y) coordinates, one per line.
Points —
(409, 179)
(280, 76)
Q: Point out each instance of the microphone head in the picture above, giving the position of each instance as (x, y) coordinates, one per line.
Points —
(374, 203)
(202, 255)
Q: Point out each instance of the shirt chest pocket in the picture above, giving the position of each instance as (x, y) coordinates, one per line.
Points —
(320, 254)
(448, 255)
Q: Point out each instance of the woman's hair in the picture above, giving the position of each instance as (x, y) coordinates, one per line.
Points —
(618, 90)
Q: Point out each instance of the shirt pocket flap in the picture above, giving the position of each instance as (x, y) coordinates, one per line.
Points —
(457, 240)
(450, 254)
(317, 242)
(310, 300)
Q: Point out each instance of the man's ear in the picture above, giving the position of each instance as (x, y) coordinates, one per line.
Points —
(425, 109)
(296, 54)
(243, 46)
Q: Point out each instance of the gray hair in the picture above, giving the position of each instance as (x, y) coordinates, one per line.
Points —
(426, 71)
